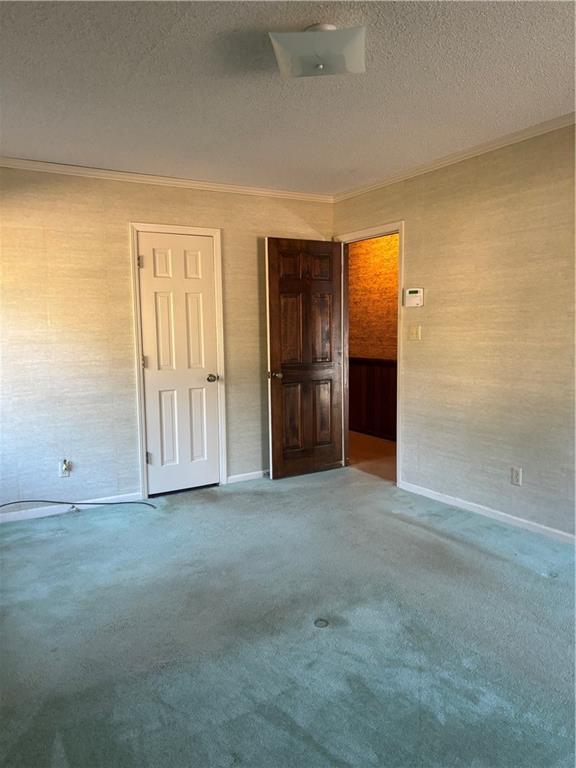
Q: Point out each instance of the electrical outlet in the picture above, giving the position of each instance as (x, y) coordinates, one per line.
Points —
(415, 333)
(64, 468)
(516, 475)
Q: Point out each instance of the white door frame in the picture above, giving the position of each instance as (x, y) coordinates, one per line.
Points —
(171, 229)
(392, 228)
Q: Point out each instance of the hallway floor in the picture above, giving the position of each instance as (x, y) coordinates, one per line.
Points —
(184, 637)
(372, 455)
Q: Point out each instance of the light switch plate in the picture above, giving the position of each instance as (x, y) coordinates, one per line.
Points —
(415, 333)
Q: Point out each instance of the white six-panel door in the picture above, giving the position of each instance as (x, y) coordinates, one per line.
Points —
(180, 349)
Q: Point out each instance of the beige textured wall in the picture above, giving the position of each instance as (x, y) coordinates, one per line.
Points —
(373, 297)
(68, 367)
(491, 384)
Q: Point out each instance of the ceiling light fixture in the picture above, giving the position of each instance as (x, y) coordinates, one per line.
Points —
(320, 50)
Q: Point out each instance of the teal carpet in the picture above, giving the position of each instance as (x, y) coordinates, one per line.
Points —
(184, 637)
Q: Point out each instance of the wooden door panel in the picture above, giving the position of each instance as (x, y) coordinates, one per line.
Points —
(292, 397)
(322, 330)
(323, 412)
(305, 352)
(290, 265)
(321, 267)
(291, 327)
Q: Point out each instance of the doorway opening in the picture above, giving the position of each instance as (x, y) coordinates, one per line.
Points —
(372, 300)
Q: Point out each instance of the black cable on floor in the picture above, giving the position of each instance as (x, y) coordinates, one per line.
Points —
(76, 503)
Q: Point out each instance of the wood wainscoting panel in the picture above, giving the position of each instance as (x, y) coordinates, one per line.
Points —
(373, 397)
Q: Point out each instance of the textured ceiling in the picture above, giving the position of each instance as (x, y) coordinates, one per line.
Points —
(191, 89)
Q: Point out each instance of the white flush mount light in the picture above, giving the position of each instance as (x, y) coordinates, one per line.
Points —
(320, 50)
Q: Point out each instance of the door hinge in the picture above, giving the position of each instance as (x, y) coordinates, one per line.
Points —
(140, 261)
(144, 361)
(148, 457)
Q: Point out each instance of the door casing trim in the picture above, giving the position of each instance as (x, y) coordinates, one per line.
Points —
(391, 228)
(135, 228)
(268, 369)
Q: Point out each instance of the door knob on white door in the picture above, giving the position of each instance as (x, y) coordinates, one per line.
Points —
(212, 377)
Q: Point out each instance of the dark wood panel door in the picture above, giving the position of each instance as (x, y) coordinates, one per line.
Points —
(305, 355)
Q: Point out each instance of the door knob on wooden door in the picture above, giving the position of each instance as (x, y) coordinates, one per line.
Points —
(276, 375)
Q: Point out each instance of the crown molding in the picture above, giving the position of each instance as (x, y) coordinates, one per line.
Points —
(480, 149)
(163, 181)
(171, 181)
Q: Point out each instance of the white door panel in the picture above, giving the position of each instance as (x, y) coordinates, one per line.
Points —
(179, 343)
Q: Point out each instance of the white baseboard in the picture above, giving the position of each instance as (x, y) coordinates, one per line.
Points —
(247, 476)
(60, 509)
(470, 506)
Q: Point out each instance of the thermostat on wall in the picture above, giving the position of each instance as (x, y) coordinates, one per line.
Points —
(413, 297)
